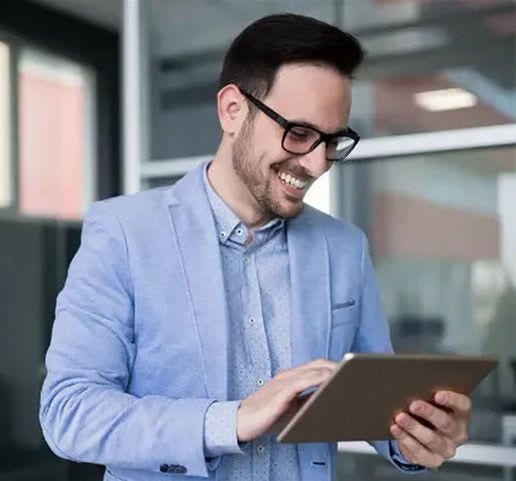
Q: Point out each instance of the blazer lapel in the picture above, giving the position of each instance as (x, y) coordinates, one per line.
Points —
(197, 242)
(311, 318)
(310, 284)
(194, 229)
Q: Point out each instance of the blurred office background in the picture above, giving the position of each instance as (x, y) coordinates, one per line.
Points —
(102, 97)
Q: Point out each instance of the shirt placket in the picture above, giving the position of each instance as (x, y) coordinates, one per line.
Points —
(256, 337)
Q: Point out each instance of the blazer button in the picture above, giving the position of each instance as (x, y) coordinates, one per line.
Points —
(177, 468)
(164, 468)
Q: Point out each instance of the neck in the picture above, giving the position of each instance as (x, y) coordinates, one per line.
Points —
(226, 183)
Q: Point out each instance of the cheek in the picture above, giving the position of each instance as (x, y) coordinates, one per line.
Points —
(268, 160)
(267, 143)
(265, 150)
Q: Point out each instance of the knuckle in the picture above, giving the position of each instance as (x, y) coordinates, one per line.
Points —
(416, 449)
(425, 409)
(312, 373)
(434, 442)
(409, 422)
(447, 424)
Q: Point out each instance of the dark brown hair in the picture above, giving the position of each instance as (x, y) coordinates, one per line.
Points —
(257, 53)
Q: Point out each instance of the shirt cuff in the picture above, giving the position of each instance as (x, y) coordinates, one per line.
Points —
(401, 462)
(220, 429)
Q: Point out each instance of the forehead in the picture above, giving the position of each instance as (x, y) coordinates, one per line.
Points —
(314, 93)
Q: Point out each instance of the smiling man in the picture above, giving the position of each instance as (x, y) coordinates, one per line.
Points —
(193, 316)
(260, 179)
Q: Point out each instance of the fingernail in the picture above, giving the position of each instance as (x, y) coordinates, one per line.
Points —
(440, 397)
(403, 420)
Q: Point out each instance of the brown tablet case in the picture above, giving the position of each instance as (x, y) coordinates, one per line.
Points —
(359, 401)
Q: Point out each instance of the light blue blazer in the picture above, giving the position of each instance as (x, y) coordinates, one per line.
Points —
(139, 344)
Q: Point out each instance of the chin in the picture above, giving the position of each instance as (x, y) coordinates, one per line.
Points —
(290, 211)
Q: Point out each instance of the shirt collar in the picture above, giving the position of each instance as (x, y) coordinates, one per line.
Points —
(228, 225)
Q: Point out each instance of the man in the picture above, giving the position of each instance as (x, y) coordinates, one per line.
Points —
(193, 316)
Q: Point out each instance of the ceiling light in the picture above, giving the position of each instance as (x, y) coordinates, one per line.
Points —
(445, 99)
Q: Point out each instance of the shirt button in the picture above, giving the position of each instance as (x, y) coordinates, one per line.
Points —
(261, 448)
(239, 231)
(260, 382)
(223, 234)
(252, 320)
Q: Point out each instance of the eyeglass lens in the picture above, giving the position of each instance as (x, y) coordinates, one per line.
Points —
(300, 140)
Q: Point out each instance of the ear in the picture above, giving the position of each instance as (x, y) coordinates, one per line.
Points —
(232, 109)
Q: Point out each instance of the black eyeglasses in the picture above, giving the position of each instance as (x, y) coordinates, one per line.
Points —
(301, 139)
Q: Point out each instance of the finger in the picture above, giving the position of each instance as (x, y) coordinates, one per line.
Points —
(320, 363)
(457, 402)
(435, 442)
(285, 389)
(323, 370)
(309, 379)
(288, 396)
(303, 373)
(397, 433)
(317, 364)
(442, 421)
(417, 453)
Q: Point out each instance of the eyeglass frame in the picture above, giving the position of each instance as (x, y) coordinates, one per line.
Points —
(288, 125)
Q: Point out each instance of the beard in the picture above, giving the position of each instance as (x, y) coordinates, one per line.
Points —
(247, 168)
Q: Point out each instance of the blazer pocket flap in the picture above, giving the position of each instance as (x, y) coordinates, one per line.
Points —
(342, 305)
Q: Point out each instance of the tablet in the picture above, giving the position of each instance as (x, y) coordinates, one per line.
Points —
(358, 402)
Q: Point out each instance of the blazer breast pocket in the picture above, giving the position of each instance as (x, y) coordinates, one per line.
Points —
(343, 329)
(343, 312)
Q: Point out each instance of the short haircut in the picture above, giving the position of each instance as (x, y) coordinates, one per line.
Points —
(256, 54)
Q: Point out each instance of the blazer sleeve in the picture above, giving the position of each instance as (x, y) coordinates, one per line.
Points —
(85, 413)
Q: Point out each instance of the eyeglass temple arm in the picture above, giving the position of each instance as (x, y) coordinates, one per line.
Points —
(266, 110)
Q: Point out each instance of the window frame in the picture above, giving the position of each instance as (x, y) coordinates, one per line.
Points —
(81, 42)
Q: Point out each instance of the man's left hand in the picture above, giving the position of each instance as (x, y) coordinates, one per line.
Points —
(447, 428)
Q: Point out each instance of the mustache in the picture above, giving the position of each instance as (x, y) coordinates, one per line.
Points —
(295, 170)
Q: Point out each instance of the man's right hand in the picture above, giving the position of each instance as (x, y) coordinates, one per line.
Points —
(260, 411)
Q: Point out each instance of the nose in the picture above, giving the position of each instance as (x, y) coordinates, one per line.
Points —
(315, 163)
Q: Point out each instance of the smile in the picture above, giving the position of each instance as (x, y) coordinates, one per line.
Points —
(292, 181)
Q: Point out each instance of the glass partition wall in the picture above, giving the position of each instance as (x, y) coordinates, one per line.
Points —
(432, 182)
(47, 180)
(442, 231)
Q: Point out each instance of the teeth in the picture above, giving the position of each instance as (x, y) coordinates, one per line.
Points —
(289, 179)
